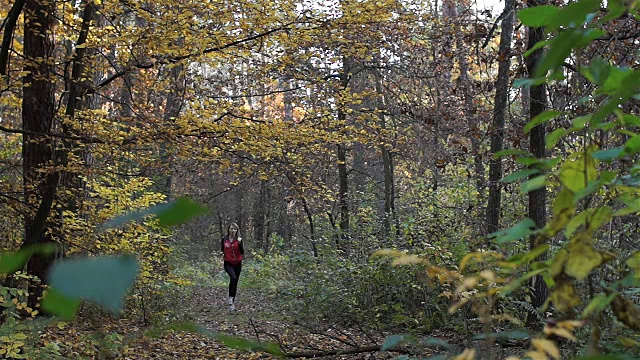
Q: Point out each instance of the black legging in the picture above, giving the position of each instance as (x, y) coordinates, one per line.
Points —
(234, 274)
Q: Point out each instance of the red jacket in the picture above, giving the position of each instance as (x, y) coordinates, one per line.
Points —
(232, 250)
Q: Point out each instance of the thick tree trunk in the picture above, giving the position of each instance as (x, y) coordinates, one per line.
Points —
(37, 121)
(537, 198)
(499, 110)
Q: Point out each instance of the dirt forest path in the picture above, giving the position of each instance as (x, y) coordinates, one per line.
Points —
(257, 318)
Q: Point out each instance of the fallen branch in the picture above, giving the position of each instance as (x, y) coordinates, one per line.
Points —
(337, 352)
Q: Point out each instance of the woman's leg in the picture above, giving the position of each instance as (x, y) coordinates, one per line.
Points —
(233, 288)
(233, 279)
(237, 268)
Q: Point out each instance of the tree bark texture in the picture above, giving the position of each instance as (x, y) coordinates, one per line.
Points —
(37, 121)
(537, 198)
(499, 113)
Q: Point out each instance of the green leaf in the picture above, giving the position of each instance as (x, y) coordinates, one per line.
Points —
(537, 16)
(608, 155)
(536, 183)
(576, 221)
(632, 146)
(574, 14)
(552, 139)
(532, 254)
(168, 214)
(56, 303)
(562, 45)
(519, 175)
(528, 82)
(392, 341)
(181, 210)
(598, 303)
(598, 71)
(601, 216)
(538, 45)
(592, 187)
(508, 152)
(614, 80)
(630, 120)
(615, 9)
(104, 280)
(577, 171)
(528, 160)
(11, 262)
(520, 230)
(559, 48)
(564, 200)
(580, 122)
(541, 119)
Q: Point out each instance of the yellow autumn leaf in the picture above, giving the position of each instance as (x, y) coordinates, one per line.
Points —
(408, 260)
(467, 354)
(571, 324)
(564, 295)
(557, 265)
(583, 258)
(534, 355)
(558, 331)
(546, 346)
(628, 342)
(634, 263)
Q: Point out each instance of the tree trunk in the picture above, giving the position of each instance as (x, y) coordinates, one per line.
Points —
(537, 198)
(171, 112)
(472, 120)
(312, 231)
(387, 163)
(258, 217)
(37, 148)
(499, 110)
(343, 197)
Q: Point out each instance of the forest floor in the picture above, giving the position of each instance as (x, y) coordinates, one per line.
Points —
(256, 318)
(259, 317)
